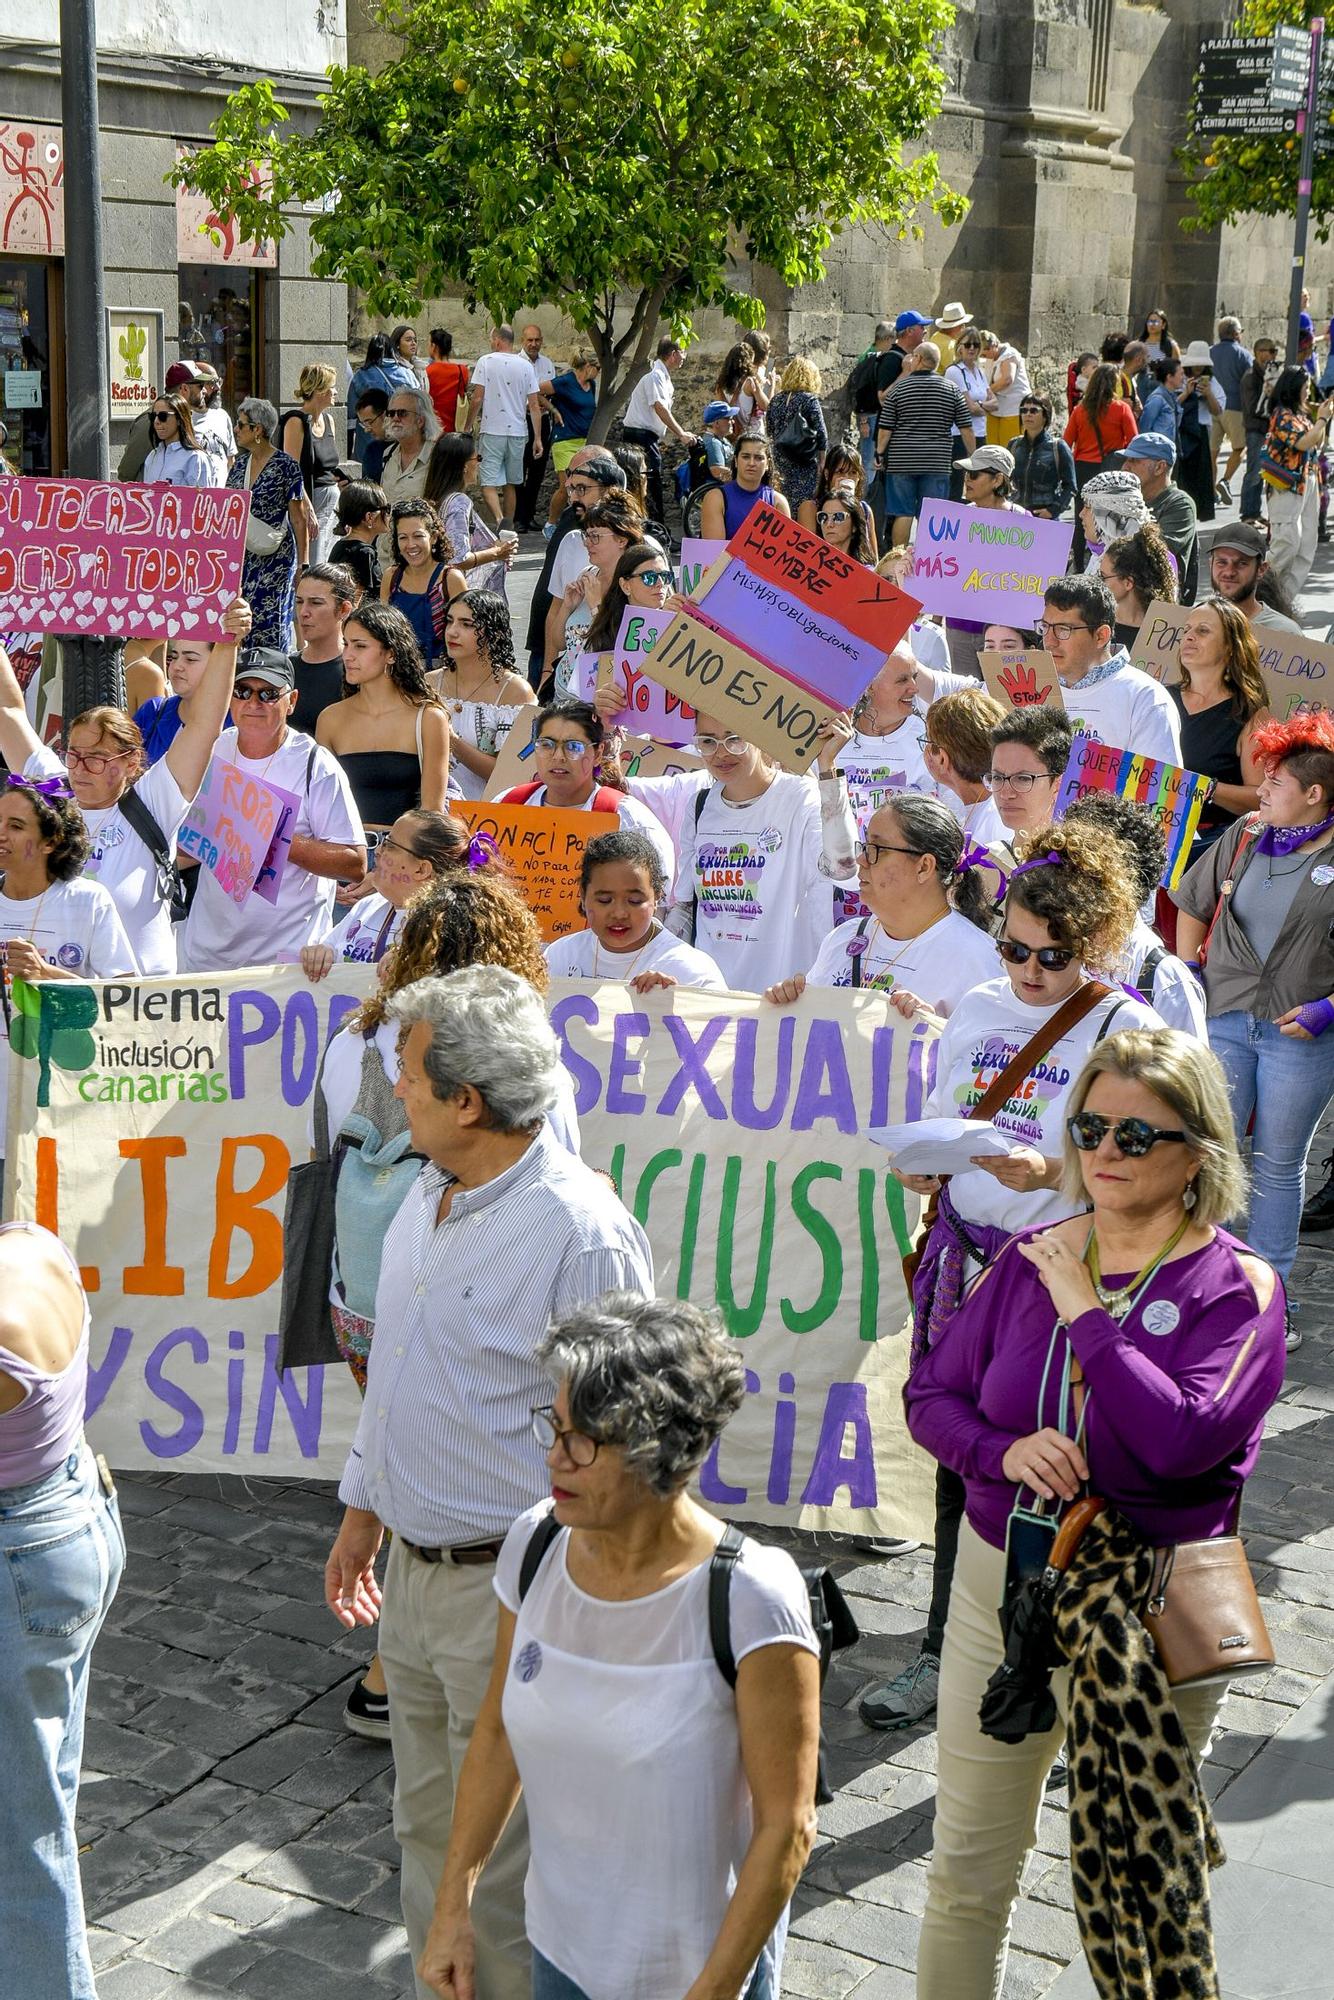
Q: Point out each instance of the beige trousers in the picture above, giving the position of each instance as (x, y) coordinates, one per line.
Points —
(437, 1639)
(989, 1794)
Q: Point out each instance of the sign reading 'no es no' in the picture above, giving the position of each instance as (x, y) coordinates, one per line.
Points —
(785, 633)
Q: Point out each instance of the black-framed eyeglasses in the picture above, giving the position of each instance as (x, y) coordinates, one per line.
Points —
(1047, 630)
(387, 840)
(870, 851)
(1019, 781)
(1132, 1136)
(1051, 957)
(578, 1446)
(267, 695)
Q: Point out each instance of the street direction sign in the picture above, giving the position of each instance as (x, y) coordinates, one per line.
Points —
(1263, 124)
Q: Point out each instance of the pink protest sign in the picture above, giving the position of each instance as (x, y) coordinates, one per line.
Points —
(985, 565)
(647, 707)
(696, 555)
(236, 827)
(119, 561)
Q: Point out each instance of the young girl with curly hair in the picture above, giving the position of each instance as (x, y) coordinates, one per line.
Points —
(391, 733)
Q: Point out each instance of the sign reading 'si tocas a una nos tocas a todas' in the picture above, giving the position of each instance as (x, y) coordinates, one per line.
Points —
(782, 632)
(987, 565)
(95, 557)
(153, 1124)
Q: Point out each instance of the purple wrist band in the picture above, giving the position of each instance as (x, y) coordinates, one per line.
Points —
(1315, 1016)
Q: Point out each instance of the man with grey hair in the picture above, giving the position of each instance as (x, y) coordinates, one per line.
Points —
(504, 395)
(412, 426)
(503, 1232)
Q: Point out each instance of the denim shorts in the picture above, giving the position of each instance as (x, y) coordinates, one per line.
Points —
(502, 459)
(905, 491)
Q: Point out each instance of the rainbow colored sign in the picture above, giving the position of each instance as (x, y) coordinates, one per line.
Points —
(1174, 796)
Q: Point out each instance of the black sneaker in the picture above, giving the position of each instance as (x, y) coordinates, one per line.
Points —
(1319, 1210)
(367, 1714)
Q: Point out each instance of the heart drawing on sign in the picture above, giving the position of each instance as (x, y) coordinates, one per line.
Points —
(83, 598)
(145, 599)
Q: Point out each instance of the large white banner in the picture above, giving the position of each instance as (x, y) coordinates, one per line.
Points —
(153, 1122)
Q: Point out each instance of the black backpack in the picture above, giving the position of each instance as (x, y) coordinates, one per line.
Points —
(831, 1616)
(860, 389)
(171, 889)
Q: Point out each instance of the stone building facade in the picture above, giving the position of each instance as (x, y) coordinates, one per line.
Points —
(1060, 124)
(177, 283)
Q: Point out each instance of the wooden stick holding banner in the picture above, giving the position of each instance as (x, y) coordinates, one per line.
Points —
(783, 633)
(1175, 797)
(986, 565)
(543, 847)
(1022, 680)
(119, 560)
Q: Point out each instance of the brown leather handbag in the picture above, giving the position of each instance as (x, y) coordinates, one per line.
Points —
(1203, 1615)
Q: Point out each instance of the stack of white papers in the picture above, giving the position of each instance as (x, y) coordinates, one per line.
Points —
(941, 1145)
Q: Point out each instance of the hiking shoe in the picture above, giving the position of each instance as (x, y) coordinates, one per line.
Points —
(905, 1701)
(883, 1545)
(367, 1714)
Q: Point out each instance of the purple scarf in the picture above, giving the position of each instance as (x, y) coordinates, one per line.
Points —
(1280, 840)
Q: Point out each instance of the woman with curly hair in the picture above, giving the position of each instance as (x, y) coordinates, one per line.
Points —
(482, 693)
(797, 429)
(421, 577)
(1136, 568)
(469, 917)
(1262, 900)
(54, 923)
(1221, 702)
(1070, 905)
(391, 733)
(420, 848)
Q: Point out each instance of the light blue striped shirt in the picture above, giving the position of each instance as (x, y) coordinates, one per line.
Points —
(444, 1451)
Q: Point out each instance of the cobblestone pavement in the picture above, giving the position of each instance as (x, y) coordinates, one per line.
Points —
(237, 1841)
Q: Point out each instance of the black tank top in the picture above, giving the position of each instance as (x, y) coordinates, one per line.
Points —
(1209, 745)
(384, 783)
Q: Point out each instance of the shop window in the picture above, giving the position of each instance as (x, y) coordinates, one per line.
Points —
(221, 321)
(25, 366)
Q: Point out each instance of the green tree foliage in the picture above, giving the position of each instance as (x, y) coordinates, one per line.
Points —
(610, 156)
(1245, 174)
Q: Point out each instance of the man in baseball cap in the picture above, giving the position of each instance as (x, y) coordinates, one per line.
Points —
(907, 321)
(1151, 456)
(185, 375)
(190, 378)
(265, 665)
(1238, 561)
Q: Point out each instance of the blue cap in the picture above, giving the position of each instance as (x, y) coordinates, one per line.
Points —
(905, 320)
(712, 412)
(1152, 444)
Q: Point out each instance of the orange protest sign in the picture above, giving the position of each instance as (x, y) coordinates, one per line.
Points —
(1021, 680)
(543, 847)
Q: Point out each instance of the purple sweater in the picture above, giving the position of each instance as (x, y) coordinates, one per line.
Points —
(1175, 1408)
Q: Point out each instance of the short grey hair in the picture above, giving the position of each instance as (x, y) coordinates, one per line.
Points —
(1229, 328)
(505, 332)
(657, 1379)
(261, 413)
(489, 1028)
(884, 329)
(930, 353)
(1186, 1074)
(430, 422)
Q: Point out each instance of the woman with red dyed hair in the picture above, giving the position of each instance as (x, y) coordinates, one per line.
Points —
(1258, 909)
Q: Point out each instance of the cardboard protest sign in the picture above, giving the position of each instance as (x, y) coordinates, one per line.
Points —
(1155, 648)
(784, 632)
(1021, 680)
(647, 707)
(986, 565)
(642, 758)
(98, 557)
(235, 829)
(1174, 796)
(697, 554)
(543, 847)
(1298, 672)
(732, 1129)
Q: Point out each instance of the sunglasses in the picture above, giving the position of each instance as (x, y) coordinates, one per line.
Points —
(1051, 957)
(655, 577)
(825, 519)
(164, 416)
(267, 695)
(1031, 410)
(1132, 1136)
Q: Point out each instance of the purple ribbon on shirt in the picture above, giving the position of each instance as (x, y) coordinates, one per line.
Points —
(1281, 840)
(57, 788)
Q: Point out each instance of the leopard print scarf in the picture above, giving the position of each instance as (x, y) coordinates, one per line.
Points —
(1142, 1838)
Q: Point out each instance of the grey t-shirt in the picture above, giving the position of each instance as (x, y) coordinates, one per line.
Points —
(1264, 896)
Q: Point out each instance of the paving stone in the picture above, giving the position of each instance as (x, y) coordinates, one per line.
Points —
(200, 1810)
(323, 1873)
(384, 1900)
(275, 1756)
(136, 1979)
(145, 1900)
(105, 1947)
(887, 1936)
(114, 1802)
(338, 1775)
(191, 1630)
(288, 1660)
(887, 1982)
(207, 1949)
(245, 1603)
(820, 1971)
(210, 1517)
(256, 1831)
(247, 1905)
(113, 1748)
(282, 1975)
(202, 1725)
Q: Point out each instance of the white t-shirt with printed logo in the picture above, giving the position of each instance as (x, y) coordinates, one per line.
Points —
(366, 932)
(941, 965)
(220, 935)
(121, 861)
(874, 767)
(988, 1028)
(74, 925)
(761, 903)
(1128, 710)
(580, 956)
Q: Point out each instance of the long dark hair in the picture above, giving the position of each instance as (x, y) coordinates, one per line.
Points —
(491, 622)
(450, 458)
(1289, 390)
(606, 623)
(738, 362)
(1100, 393)
(390, 629)
(1165, 340)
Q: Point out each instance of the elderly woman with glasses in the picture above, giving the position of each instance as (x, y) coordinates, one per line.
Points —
(1070, 905)
(1131, 1349)
(278, 534)
(688, 1805)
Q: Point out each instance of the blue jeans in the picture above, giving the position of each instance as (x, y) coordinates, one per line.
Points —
(551, 1984)
(63, 1552)
(1286, 1084)
(1252, 486)
(866, 447)
(905, 491)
